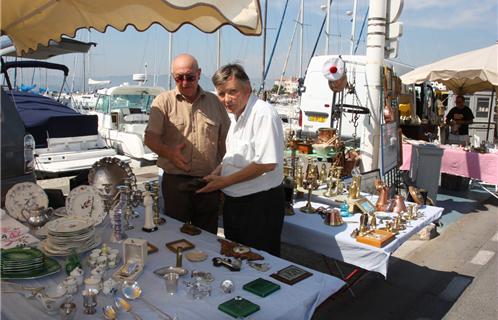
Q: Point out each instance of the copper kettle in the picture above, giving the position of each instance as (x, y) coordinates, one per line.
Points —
(382, 203)
(398, 204)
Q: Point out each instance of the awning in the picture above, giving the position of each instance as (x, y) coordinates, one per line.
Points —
(30, 23)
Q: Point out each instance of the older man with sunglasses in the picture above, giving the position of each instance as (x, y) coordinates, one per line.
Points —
(187, 129)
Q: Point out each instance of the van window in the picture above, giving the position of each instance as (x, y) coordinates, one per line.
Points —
(482, 107)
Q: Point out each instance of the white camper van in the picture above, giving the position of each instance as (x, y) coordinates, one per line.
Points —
(316, 100)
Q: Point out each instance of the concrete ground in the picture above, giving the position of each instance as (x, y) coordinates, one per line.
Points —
(453, 276)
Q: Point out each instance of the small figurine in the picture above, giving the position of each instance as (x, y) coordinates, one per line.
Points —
(149, 225)
(105, 249)
(72, 262)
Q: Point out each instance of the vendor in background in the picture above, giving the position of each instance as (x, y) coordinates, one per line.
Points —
(459, 119)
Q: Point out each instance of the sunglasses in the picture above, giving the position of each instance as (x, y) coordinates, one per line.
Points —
(184, 77)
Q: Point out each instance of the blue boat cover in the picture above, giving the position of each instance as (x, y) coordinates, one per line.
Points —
(44, 118)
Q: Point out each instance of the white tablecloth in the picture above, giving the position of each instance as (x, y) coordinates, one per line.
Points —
(309, 231)
(290, 302)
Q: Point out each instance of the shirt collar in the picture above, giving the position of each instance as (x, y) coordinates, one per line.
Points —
(247, 110)
(180, 96)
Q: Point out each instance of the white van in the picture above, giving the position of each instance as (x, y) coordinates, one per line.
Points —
(316, 100)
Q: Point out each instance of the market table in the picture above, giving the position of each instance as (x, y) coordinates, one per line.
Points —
(290, 302)
(309, 231)
(456, 161)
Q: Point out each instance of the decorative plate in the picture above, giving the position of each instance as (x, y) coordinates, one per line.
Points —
(85, 202)
(24, 195)
(50, 266)
(68, 225)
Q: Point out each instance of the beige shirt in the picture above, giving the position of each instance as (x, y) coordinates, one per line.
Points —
(202, 126)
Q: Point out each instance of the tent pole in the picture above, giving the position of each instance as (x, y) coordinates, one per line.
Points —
(490, 112)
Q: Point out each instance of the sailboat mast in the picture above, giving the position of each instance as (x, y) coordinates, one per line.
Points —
(288, 55)
(218, 49)
(327, 29)
(301, 22)
(353, 28)
(264, 49)
(170, 58)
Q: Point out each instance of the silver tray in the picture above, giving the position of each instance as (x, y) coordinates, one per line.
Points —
(111, 171)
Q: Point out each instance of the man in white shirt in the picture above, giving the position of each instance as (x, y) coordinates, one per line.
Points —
(251, 172)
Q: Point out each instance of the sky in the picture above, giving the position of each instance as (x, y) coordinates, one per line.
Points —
(433, 29)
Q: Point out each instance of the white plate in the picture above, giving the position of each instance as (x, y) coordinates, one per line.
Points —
(85, 201)
(24, 195)
(68, 225)
(60, 212)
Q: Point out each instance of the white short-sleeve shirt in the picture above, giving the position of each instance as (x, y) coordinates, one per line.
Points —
(257, 136)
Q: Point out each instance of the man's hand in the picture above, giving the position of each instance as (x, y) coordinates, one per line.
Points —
(177, 159)
(215, 182)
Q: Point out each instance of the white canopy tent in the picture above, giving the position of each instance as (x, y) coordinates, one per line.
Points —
(464, 73)
(468, 72)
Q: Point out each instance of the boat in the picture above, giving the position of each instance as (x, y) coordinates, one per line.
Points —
(123, 113)
(65, 141)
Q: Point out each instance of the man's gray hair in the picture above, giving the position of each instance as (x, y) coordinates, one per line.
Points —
(228, 71)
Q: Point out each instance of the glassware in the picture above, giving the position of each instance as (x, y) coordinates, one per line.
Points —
(118, 234)
(171, 280)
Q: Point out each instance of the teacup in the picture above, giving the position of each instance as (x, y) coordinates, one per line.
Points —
(52, 297)
(98, 272)
(92, 283)
(71, 285)
(102, 262)
(77, 273)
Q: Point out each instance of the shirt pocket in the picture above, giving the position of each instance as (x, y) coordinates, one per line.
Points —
(175, 130)
(210, 130)
(239, 154)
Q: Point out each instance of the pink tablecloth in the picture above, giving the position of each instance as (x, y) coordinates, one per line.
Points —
(482, 166)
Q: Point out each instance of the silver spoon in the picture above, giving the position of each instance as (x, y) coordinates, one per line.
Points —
(110, 313)
(132, 291)
(122, 304)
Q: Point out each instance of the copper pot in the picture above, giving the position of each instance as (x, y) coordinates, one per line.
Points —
(325, 134)
(382, 203)
(398, 204)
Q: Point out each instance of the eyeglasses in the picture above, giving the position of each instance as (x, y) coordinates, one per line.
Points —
(184, 77)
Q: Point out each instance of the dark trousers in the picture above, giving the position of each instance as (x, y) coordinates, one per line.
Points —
(201, 209)
(256, 220)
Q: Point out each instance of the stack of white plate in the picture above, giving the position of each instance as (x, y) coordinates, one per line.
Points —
(69, 233)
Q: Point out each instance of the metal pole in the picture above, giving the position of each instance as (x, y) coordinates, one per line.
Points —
(218, 49)
(370, 142)
(264, 50)
(301, 22)
(353, 28)
(287, 57)
(327, 29)
(170, 58)
(491, 110)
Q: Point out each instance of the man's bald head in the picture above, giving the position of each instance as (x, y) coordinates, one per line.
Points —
(184, 60)
(186, 73)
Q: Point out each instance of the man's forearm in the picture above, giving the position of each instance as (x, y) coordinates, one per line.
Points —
(251, 171)
(154, 143)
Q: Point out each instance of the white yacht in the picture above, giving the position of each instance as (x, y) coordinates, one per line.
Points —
(123, 113)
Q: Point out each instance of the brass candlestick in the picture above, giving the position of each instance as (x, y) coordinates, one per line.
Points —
(310, 183)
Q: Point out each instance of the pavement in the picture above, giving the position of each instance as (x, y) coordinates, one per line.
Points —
(453, 276)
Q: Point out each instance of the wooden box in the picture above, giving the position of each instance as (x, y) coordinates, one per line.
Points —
(376, 238)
